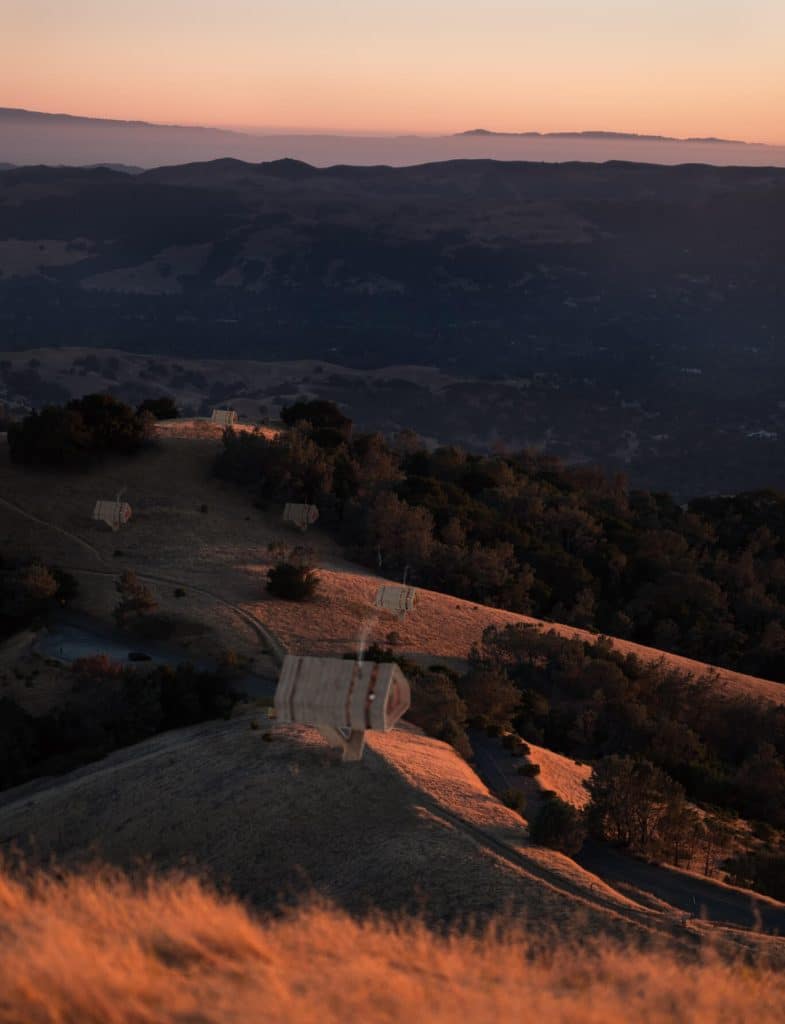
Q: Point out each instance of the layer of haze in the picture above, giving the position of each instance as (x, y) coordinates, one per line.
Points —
(675, 67)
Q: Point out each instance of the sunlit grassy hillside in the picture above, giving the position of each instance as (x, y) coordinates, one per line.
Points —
(95, 949)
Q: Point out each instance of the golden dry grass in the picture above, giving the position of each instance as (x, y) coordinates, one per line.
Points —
(225, 551)
(561, 775)
(98, 949)
(410, 826)
(441, 626)
(206, 430)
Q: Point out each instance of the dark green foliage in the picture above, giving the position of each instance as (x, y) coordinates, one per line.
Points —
(632, 802)
(135, 598)
(110, 707)
(163, 408)
(527, 533)
(490, 697)
(18, 743)
(515, 799)
(292, 581)
(70, 436)
(67, 586)
(29, 592)
(329, 427)
(529, 769)
(764, 871)
(587, 700)
(558, 825)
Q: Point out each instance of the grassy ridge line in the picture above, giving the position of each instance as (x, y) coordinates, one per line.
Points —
(183, 952)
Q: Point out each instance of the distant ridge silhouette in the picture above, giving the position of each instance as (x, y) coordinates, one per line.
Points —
(30, 137)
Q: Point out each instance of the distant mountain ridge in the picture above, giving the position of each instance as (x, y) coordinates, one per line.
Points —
(639, 306)
(634, 136)
(36, 137)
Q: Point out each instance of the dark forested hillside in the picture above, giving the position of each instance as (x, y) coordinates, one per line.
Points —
(625, 313)
(525, 532)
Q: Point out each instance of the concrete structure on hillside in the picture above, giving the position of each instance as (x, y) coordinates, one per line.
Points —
(114, 513)
(224, 417)
(396, 599)
(301, 516)
(342, 699)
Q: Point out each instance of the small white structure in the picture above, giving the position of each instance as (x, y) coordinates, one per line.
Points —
(396, 599)
(341, 698)
(224, 417)
(301, 516)
(114, 513)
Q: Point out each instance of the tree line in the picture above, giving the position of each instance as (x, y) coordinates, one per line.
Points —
(110, 707)
(74, 435)
(523, 531)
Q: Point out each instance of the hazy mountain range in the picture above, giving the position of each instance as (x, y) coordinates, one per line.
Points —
(31, 137)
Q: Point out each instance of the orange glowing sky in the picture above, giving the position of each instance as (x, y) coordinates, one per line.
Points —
(675, 67)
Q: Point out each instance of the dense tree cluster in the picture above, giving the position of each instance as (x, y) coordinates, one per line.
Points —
(588, 700)
(524, 532)
(110, 707)
(163, 408)
(74, 434)
(559, 825)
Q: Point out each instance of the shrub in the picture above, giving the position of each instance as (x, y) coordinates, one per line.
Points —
(135, 597)
(162, 408)
(515, 799)
(558, 825)
(529, 770)
(292, 582)
(179, 592)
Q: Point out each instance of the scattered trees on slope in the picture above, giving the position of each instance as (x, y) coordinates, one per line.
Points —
(522, 531)
(588, 700)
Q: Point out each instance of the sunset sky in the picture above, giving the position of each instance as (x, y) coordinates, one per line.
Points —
(676, 67)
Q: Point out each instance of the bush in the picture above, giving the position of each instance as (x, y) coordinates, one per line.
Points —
(162, 408)
(515, 799)
(529, 770)
(135, 598)
(292, 582)
(559, 826)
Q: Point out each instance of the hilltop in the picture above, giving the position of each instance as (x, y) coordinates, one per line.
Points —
(220, 556)
(410, 828)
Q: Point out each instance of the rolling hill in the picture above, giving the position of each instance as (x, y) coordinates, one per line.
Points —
(268, 812)
(221, 556)
(619, 313)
